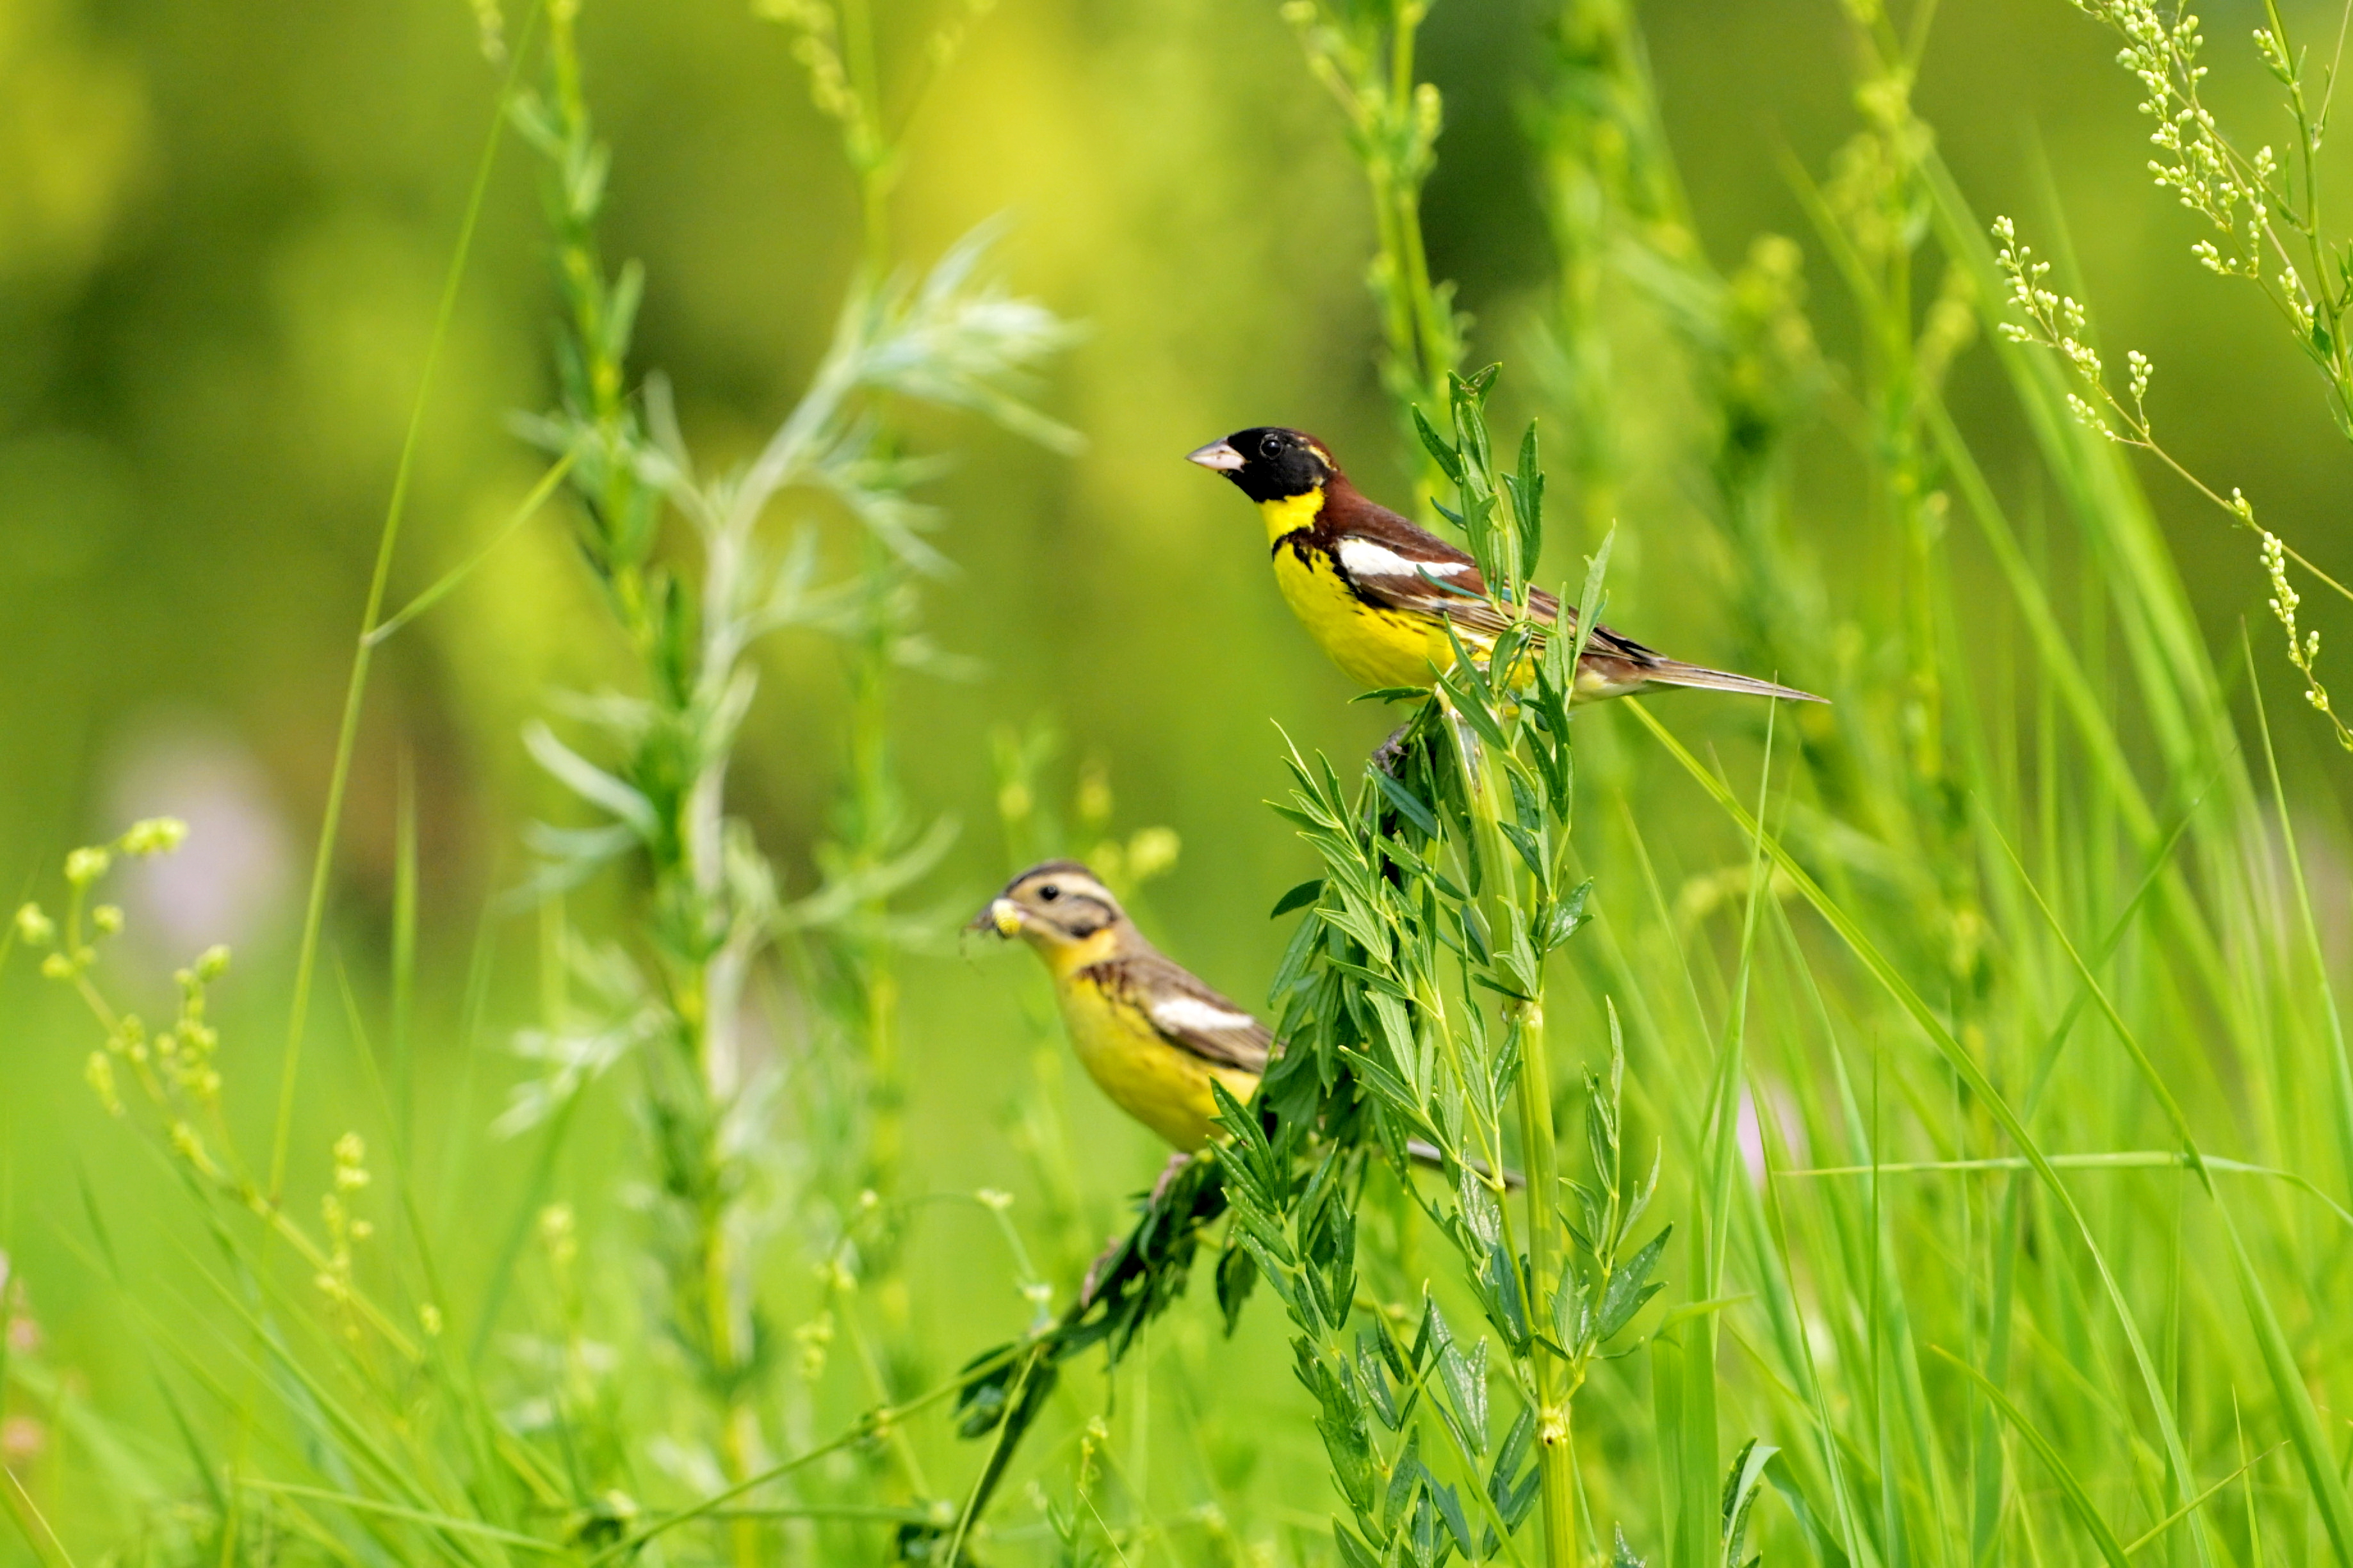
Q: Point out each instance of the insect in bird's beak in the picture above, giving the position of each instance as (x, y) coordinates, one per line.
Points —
(1216, 454)
(1002, 916)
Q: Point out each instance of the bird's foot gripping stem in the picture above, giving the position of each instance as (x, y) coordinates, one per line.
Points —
(1177, 1165)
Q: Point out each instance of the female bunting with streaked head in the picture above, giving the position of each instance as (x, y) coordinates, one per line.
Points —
(1151, 1036)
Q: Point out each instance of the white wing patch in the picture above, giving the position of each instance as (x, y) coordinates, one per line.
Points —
(1181, 1014)
(1363, 558)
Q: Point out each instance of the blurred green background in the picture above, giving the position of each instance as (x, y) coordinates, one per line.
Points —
(222, 233)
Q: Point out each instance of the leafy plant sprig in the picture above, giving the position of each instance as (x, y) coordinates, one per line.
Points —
(168, 1081)
(2061, 323)
(1412, 1001)
(656, 790)
(852, 936)
(2264, 210)
(1363, 52)
(2265, 213)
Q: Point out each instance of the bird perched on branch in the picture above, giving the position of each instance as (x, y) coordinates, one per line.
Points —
(1151, 1036)
(1379, 593)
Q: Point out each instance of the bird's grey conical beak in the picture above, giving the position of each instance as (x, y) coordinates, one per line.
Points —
(1216, 454)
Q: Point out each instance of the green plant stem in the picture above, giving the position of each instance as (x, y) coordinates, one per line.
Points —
(315, 906)
(1424, 345)
(1369, 64)
(873, 159)
(323, 860)
(36, 1529)
(1553, 1376)
(1555, 1387)
(873, 809)
(681, 764)
(1605, 184)
(706, 1004)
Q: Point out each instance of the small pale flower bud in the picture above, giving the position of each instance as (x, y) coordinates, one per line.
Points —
(351, 1175)
(154, 836)
(99, 1071)
(1152, 852)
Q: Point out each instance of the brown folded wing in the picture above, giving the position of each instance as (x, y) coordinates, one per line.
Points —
(1410, 569)
(1184, 1012)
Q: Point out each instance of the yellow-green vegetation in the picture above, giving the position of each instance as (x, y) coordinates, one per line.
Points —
(1911, 1131)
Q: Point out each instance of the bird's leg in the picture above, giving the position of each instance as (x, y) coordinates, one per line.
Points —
(1168, 1175)
(1391, 752)
(1094, 1270)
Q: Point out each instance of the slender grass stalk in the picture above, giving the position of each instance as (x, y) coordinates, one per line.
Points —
(1609, 187)
(1555, 1418)
(315, 906)
(1364, 54)
(27, 1518)
(878, 847)
(705, 929)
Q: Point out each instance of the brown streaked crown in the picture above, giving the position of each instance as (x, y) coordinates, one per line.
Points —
(1062, 898)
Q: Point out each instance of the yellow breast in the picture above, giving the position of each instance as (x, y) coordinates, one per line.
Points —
(1161, 1085)
(1375, 648)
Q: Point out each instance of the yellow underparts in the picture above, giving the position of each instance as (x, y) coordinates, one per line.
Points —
(1163, 1086)
(1375, 646)
(1372, 646)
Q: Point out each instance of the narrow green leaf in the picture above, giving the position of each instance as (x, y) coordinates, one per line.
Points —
(2079, 1502)
(1631, 1286)
(29, 1522)
(1440, 449)
(1409, 805)
(1450, 1508)
(1465, 1379)
(1354, 1552)
(1827, 1550)
(1299, 898)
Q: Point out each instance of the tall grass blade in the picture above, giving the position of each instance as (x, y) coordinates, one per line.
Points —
(2071, 1487)
(315, 906)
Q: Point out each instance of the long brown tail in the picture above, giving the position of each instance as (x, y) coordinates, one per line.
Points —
(1675, 672)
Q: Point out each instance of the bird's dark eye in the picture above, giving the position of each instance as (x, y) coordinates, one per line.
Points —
(1270, 445)
(1049, 893)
